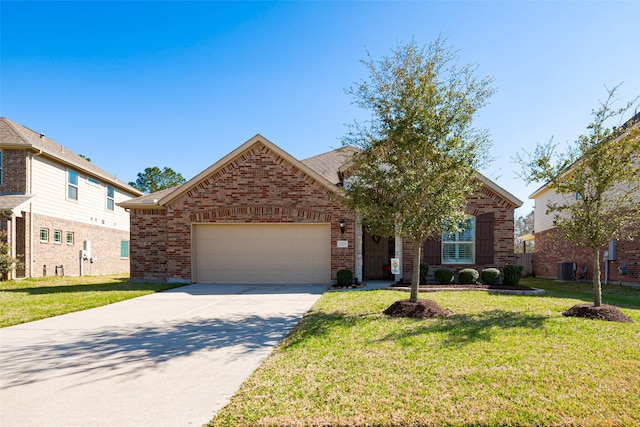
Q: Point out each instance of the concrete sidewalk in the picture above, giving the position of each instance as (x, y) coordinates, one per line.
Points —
(168, 359)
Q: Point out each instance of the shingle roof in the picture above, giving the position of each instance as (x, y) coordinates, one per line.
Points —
(328, 164)
(11, 201)
(16, 136)
(150, 199)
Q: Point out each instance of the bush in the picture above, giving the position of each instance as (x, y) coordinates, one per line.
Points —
(7, 262)
(512, 274)
(444, 276)
(468, 276)
(344, 277)
(424, 270)
(490, 276)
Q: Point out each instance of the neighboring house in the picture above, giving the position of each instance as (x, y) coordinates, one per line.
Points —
(259, 215)
(554, 255)
(54, 204)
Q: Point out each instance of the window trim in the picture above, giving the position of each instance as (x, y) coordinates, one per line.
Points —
(457, 243)
(111, 199)
(70, 185)
(122, 246)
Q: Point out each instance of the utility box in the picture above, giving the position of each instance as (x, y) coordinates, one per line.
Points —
(565, 270)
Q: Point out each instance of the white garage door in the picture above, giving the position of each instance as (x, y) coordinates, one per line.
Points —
(262, 253)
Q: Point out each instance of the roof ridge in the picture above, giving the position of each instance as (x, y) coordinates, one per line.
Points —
(15, 129)
(30, 139)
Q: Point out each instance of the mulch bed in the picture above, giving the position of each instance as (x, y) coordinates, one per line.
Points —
(604, 312)
(351, 286)
(422, 309)
(458, 287)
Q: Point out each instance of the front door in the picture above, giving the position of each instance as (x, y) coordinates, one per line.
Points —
(376, 256)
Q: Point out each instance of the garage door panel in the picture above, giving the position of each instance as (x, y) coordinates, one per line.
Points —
(262, 253)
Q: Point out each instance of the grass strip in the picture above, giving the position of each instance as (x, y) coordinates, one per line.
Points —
(33, 299)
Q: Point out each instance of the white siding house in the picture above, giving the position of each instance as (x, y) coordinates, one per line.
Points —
(55, 204)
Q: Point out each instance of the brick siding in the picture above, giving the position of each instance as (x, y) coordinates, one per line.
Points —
(483, 201)
(261, 187)
(105, 245)
(550, 250)
(257, 187)
(14, 171)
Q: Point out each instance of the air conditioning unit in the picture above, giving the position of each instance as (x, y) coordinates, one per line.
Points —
(565, 270)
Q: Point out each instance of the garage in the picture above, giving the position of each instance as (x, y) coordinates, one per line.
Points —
(262, 253)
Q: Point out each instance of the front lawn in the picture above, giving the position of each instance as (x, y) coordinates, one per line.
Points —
(32, 299)
(497, 361)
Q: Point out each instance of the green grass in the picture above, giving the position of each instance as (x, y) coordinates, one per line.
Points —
(498, 361)
(32, 299)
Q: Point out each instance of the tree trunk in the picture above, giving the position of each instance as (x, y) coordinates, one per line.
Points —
(597, 289)
(415, 271)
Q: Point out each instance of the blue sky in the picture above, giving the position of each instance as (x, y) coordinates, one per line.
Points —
(180, 84)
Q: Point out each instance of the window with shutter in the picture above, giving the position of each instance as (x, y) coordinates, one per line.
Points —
(459, 247)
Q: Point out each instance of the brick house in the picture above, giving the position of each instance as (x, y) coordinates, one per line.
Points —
(259, 215)
(55, 204)
(552, 254)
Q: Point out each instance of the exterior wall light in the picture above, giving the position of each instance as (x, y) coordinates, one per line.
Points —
(343, 225)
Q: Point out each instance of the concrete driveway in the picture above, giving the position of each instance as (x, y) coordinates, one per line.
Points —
(168, 359)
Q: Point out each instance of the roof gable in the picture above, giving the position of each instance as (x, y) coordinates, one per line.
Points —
(18, 137)
(235, 155)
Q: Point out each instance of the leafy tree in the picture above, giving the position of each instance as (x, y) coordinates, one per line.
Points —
(523, 225)
(599, 179)
(153, 179)
(419, 152)
(7, 262)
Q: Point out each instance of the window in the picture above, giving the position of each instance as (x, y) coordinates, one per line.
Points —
(458, 247)
(72, 185)
(110, 198)
(70, 238)
(93, 181)
(124, 249)
(44, 234)
(57, 236)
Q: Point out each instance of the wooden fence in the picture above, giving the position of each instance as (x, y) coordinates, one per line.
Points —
(526, 261)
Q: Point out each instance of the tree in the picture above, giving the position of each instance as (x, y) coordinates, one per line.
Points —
(419, 151)
(523, 225)
(599, 179)
(7, 262)
(153, 179)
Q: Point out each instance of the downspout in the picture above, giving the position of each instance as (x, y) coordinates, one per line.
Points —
(29, 265)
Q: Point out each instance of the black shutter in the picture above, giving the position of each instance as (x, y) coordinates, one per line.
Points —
(433, 252)
(484, 239)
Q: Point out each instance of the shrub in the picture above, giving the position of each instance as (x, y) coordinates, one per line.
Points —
(7, 262)
(444, 276)
(468, 276)
(512, 274)
(344, 277)
(424, 270)
(490, 276)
